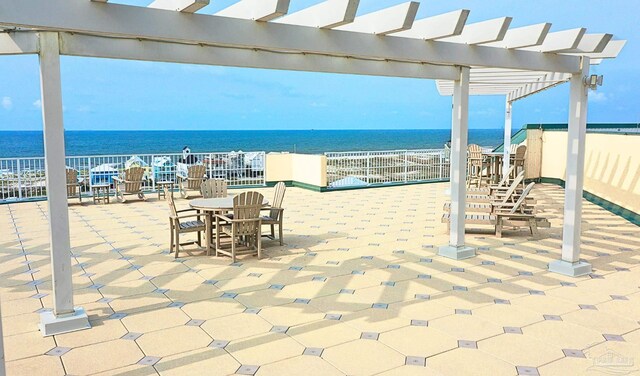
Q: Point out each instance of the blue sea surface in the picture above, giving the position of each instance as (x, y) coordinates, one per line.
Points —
(85, 143)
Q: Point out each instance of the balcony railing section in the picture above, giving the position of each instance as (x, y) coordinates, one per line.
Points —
(23, 179)
(372, 168)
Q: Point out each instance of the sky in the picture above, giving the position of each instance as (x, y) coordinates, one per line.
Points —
(104, 94)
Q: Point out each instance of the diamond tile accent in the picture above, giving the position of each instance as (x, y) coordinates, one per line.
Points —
(587, 306)
(279, 329)
(380, 305)
(313, 351)
(370, 335)
(117, 316)
(536, 292)
(552, 317)
(460, 288)
(457, 270)
(424, 276)
(525, 273)
(131, 336)
(423, 296)
(210, 282)
(358, 272)
(488, 263)
(501, 301)
(347, 291)
(419, 322)
(276, 287)
(229, 295)
(619, 297)
(247, 370)
(494, 280)
(253, 311)
(149, 360)
(176, 304)
(161, 291)
(219, 344)
(393, 266)
(568, 284)
(415, 361)
(104, 300)
(467, 344)
(613, 337)
(194, 322)
(319, 279)
(527, 371)
(58, 351)
(463, 311)
(296, 268)
(332, 316)
(512, 330)
(572, 353)
(427, 260)
(388, 283)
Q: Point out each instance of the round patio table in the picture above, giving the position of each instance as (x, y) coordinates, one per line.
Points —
(211, 206)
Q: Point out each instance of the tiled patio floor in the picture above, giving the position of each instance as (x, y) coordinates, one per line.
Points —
(357, 289)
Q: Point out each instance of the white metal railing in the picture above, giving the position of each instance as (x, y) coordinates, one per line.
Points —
(23, 179)
(365, 168)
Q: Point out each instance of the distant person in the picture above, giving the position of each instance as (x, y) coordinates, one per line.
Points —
(187, 157)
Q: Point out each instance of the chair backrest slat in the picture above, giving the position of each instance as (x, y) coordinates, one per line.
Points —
(505, 178)
(133, 179)
(512, 188)
(278, 197)
(247, 205)
(521, 151)
(214, 188)
(474, 151)
(172, 205)
(72, 181)
(519, 205)
(195, 175)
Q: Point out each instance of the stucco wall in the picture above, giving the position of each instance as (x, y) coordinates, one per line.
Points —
(301, 168)
(612, 165)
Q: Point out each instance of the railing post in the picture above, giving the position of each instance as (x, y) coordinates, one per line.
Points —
(153, 174)
(19, 171)
(89, 172)
(368, 168)
(406, 165)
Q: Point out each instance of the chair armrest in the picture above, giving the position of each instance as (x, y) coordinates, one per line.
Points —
(184, 210)
(117, 179)
(223, 217)
(271, 208)
(187, 216)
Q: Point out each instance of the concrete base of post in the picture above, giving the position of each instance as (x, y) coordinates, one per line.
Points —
(51, 324)
(456, 253)
(572, 269)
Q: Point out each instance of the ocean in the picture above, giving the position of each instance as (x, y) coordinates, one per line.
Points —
(85, 143)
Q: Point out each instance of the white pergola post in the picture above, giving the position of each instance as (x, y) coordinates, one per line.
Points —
(64, 317)
(456, 248)
(570, 263)
(507, 138)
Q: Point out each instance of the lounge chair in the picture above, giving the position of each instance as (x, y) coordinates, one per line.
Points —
(179, 226)
(214, 188)
(486, 190)
(244, 228)
(74, 188)
(192, 181)
(275, 212)
(499, 192)
(517, 214)
(131, 184)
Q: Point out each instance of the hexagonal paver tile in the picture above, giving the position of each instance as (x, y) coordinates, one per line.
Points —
(291, 314)
(264, 348)
(467, 362)
(236, 326)
(215, 362)
(418, 341)
(466, 327)
(363, 357)
(175, 340)
(101, 331)
(563, 334)
(323, 333)
(213, 308)
(521, 349)
(157, 319)
(103, 357)
(300, 365)
(36, 365)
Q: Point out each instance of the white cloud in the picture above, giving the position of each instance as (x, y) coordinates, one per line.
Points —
(7, 103)
(598, 97)
(37, 104)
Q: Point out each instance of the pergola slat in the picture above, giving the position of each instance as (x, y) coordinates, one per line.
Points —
(526, 36)
(385, 21)
(611, 51)
(326, 15)
(258, 10)
(186, 6)
(482, 32)
(440, 26)
(560, 41)
(592, 43)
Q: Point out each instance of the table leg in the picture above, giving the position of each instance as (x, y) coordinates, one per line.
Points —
(209, 232)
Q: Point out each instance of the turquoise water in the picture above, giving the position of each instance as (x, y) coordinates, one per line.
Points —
(81, 143)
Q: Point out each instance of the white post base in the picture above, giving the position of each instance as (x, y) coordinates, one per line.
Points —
(52, 325)
(572, 269)
(456, 253)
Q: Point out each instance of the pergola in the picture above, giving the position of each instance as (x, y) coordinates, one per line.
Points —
(484, 58)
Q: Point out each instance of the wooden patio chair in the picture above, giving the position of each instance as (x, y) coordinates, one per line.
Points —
(178, 225)
(131, 184)
(518, 159)
(243, 229)
(193, 180)
(74, 189)
(475, 165)
(276, 212)
(486, 190)
(214, 188)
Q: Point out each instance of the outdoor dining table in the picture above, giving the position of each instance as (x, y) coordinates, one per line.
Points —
(496, 162)
(212, 206)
